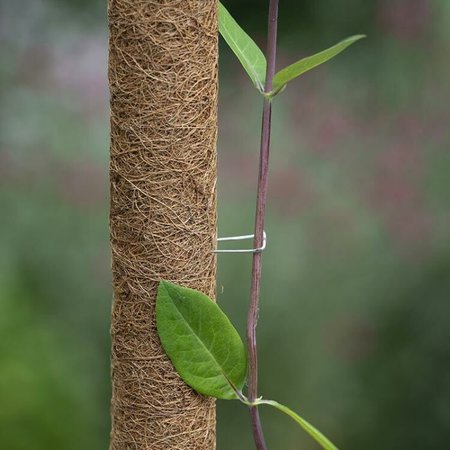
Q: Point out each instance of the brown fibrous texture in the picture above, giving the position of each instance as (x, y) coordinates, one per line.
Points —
(163, 85)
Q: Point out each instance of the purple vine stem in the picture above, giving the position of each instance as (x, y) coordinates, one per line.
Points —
(261, 201)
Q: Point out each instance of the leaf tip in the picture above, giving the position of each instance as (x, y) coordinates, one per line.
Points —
(356, 37)
(164, 289)
(163, 284)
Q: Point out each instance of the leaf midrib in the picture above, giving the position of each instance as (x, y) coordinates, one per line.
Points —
(249, 65)
(199, 340)
(238, 48)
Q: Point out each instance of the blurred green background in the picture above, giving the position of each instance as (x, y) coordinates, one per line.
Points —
(354, 327)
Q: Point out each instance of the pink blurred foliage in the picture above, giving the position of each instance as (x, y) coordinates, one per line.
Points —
(397, 186)
(99, 264)
(24, 175)
(33, 65)
(73, 73)
(74, 70)
(82, 185)
(239, 169)
(320, 121)
(336, 124)
(6, 167)
(334, 229)
(290, 193)
(405, 19)
(396, 190)
(351, 337)
(80, 67)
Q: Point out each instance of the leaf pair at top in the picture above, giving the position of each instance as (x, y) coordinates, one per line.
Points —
(254, 61)
(207, 351)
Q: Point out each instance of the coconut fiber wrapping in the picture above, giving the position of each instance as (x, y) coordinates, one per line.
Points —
(163, 85)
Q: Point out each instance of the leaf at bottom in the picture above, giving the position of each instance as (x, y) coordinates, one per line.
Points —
(201, 342)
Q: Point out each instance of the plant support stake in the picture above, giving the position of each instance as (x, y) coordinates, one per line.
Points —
(163, 85)
(261, 202)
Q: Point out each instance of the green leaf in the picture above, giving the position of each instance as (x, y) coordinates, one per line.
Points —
(201, 342)
(304, 65)
(243, 46)
(312, 431)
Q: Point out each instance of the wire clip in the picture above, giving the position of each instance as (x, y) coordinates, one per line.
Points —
(242, 238)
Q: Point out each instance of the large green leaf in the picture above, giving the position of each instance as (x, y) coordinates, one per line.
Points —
(243, 46)
(201, 342)
(304, 65)
(312, 431)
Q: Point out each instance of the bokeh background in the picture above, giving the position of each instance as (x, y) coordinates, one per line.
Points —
(355, 320)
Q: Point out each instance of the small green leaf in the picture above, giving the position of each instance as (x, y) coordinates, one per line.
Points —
(243, 46)
(304, 65)
(201, 342)
(312, 431)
